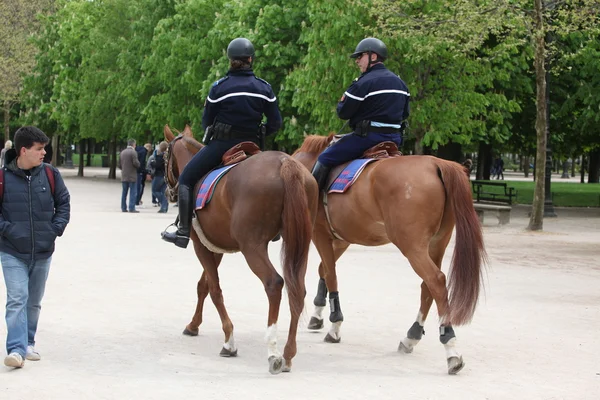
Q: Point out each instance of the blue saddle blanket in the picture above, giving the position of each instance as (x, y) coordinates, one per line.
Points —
(349, 175)
(207, 188)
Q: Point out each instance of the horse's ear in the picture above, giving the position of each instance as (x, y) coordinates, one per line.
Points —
(187, 131)
(168, 134)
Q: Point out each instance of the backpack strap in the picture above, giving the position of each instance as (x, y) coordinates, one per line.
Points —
(49, 173)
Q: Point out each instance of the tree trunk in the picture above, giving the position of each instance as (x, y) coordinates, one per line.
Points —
(112, 152)
(526, 166)
(573, 158)
(55, 143)
(583, 161)
(536, 221)
(594, 171)
(484, 161)
(418, 144)
(81, 157)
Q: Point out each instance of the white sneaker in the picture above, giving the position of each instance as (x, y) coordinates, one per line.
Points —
(32, 355)
(14, 360)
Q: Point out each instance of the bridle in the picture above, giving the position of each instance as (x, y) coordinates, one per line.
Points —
(170, 166)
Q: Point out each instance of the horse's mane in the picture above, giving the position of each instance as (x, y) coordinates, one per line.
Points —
(192, 144)
(315, 144)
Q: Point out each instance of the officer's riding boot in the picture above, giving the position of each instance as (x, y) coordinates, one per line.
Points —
(321, 174)
(182, 236)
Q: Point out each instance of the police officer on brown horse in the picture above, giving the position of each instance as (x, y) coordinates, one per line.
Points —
(376, 104)
(233, 113)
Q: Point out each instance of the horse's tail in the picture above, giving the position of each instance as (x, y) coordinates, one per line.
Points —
(465, 276)
(296, 232)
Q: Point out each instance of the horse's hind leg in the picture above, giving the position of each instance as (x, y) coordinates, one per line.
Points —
(320, 301)
(202, 289)
(428, 267)
(437, 247)
(417, 330)
(259, 263)
(210, 261)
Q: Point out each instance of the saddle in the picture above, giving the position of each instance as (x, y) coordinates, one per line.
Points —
(240, 152)
(382, 150)
(344, 175)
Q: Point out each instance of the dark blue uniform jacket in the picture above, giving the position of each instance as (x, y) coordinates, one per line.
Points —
(378, 95)
(240, 99)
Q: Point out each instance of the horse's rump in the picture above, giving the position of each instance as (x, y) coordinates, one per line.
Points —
(247, 197)
(388, 193)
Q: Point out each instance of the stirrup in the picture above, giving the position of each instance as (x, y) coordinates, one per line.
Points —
(174, 237)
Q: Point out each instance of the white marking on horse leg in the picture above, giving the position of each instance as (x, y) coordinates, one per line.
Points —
(409, 343)
(334, 332)
(318, 313)
(451, 350)
(420, 319)
(271, 338)
(230, 344)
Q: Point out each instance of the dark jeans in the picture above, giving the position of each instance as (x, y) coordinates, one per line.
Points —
(206, 159)
(158, 190)
(352, 146)
(141, 182)
(130, 187)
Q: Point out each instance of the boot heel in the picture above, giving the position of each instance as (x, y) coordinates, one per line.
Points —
(182, 242)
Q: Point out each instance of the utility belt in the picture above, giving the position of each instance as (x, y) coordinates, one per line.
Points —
(364, 127)
(223, 131)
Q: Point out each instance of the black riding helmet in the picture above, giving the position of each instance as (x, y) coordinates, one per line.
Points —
(240, 48)
(371, 45)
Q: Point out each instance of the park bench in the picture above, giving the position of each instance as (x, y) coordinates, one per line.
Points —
(498, 201)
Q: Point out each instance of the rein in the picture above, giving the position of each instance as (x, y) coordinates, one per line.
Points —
(172, 189)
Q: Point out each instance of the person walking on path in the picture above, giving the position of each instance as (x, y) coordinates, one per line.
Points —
(129, 164)
(7, 146)
(158, 177)
(35, 210)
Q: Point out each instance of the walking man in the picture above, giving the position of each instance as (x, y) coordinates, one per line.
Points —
(129, 164)
(35, 209)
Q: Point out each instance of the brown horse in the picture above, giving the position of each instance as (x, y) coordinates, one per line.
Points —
(268, 194)
(414, 202)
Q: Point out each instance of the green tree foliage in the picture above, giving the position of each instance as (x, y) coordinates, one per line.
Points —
(330, 34)
(18, 21)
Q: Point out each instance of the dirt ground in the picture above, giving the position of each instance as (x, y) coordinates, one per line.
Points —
(118, 299)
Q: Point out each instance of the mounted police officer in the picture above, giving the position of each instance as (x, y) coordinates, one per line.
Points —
(233, 113)
(376, 104)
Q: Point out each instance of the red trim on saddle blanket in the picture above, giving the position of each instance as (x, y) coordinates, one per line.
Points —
(349, 175)
(207, 188)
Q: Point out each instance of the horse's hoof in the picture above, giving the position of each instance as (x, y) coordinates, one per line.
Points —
(315, 324)
(275, 364)
(405, 349)
(190, 332)
(287, 367)
(228, 353)
(330, 339)
(455, 364)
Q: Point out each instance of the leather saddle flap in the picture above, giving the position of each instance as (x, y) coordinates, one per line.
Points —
(240, 152)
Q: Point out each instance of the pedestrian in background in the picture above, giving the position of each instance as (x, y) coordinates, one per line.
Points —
(129, 164)
(7, 146)
(158, 180)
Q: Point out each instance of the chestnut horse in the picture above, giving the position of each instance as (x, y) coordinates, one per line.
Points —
(270, 193)
(413, 202)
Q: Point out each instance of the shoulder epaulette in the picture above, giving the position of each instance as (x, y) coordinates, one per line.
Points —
(220, 80)
(262, 80)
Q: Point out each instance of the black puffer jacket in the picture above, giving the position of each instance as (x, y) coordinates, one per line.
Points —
(31, 218)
